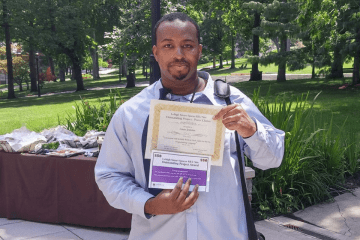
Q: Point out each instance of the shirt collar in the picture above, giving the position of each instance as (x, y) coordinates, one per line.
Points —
(208, 91)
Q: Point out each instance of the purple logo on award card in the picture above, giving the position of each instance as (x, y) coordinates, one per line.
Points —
(172, 175)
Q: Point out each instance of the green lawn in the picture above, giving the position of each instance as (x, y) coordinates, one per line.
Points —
(39, 113)
(341, 104)
(272, 68)
(111, 79)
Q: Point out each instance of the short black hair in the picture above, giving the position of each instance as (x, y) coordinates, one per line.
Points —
(172, 17)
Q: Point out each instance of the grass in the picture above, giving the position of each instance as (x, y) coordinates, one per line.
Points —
(270, 69)
(40, 113)
(322, 148)
(341, 105)
(316, 160)
(111, 79)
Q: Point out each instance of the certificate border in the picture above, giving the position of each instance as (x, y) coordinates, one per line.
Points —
(216, 157)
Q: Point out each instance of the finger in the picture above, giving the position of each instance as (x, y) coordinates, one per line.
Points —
(184, 192)
(191, 199)
(177, 189)
(232, 118)
(223, 111)
(234, 111)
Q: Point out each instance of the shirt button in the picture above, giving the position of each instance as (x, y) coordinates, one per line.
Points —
(168, 96)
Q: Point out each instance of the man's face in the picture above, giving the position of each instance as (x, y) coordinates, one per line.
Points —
(177, 50)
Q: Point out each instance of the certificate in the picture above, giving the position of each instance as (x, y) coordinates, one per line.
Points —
(185, 128)
(167, 167)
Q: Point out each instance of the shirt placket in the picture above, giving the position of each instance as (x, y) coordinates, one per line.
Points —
(191, 223)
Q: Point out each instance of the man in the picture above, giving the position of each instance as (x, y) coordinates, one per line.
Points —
(122, 172)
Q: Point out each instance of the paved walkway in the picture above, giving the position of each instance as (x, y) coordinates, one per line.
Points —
(328, 221)
(237, 77)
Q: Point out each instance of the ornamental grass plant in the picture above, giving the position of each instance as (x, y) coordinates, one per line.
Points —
(92, 117)
(315, 161)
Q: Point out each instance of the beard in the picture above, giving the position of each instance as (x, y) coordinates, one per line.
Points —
(179, 74)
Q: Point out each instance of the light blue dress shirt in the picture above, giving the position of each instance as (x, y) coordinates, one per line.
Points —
(218, 214)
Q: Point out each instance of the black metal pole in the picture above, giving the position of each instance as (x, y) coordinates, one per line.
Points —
(155, 16)
(37, 71)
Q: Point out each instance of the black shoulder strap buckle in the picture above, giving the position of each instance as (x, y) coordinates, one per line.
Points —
(222, 90)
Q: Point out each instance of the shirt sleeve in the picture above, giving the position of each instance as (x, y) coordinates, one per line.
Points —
(265, 147)
(115, 171)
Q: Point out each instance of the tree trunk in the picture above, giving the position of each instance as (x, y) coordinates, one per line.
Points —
(11, 92)
(32, 63)
(255, 74)
(67, 70)
(143, 67)
(356, 70)
(214, 62)
(281, 77)
(124, 69)
(62, 74)
(93, 53)
(32, 69)
(51, 63)
(221, 61)
(232, 52)
(120, 73)
(288, 45)
(20, 86)
(77, 75)
(313, 69)
(337, 65)
(276, 42)
(130, 80)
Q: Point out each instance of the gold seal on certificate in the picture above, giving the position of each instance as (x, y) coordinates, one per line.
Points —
(185, 128)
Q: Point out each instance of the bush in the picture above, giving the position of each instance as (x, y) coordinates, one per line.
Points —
(89, 117)
(314, 159)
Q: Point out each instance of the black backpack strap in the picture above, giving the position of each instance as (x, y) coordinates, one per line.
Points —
(222, 90)
(203, 75)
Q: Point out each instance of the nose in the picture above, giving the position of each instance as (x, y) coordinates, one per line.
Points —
(178, 53)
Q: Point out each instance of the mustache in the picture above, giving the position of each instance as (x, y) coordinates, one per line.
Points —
(177, 62)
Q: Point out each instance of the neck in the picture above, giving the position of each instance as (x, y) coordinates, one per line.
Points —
(184, 87)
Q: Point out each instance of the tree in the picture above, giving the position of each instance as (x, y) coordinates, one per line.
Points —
(213, 32)
(131, 41)
(24, 26)
(255, 9)
(6, 25)
(278, 21)
(105, 15)
(349, 26)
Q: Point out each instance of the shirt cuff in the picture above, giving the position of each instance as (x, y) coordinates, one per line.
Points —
(139, 204)
(258, 137)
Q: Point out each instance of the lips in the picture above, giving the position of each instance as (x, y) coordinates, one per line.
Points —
(179, 64)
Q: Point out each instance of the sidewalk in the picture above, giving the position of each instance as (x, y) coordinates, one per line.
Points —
(338, 220)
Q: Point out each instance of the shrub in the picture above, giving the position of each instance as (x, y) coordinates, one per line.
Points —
(89, 117)
(313, 159)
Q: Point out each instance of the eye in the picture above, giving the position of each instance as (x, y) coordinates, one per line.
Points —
(168, 45)
(188, 46)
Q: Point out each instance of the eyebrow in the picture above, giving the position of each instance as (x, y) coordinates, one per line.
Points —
(170, 40)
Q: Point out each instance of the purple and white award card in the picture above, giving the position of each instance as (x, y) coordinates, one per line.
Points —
(167, 167)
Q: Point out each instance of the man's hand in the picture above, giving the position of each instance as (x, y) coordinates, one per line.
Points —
(172, 201)
(234, 117)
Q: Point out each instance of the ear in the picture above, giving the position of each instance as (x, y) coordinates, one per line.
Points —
(154, 50)
(200, 51)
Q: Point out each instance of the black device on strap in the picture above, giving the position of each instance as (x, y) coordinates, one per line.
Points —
(222, 90)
